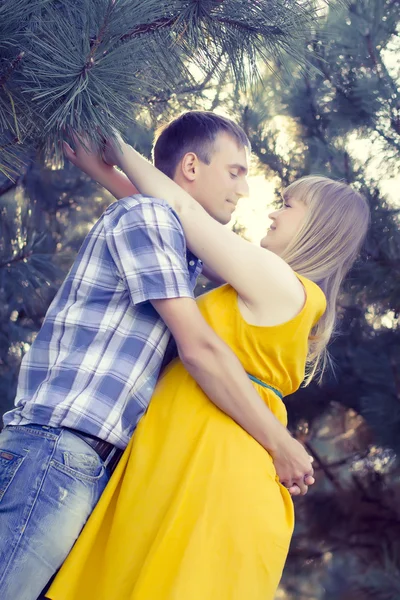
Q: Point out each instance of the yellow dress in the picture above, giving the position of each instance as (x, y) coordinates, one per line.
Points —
(195, 510)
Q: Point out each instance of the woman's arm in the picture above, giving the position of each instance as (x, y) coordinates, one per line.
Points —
(211, 275)
(261, 278)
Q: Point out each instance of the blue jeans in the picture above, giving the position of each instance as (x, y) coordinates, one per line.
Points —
(50, 481)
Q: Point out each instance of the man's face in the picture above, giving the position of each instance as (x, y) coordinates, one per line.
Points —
(219, 185)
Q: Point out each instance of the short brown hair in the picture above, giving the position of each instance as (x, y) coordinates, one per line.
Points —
(193, 131)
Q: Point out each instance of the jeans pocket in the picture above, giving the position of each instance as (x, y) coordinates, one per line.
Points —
(87, 464)
(86, 467)
(9, 465)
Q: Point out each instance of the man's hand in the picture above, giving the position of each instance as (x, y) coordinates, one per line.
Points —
(293, 466)
(90, 160)
(87, 158)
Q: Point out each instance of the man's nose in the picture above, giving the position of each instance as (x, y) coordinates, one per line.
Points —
(242, 189)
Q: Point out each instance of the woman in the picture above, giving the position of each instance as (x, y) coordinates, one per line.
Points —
(194, 510)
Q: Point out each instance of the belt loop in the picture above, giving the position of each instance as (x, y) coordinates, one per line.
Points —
(110, 456)
(108, 453)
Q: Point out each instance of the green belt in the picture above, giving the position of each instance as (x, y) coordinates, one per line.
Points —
(277, 392)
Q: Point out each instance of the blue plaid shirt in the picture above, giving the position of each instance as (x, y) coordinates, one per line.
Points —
(94, 363)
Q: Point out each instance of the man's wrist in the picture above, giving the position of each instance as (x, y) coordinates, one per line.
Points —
(103, 176)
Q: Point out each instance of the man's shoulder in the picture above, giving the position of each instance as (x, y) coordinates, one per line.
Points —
(141, 207)
(137, 201)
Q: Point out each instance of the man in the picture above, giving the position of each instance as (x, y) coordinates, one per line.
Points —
(91, 371)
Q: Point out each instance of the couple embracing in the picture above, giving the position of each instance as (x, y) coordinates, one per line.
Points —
(181, 478)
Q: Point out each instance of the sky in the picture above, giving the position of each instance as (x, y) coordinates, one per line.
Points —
(252, 212)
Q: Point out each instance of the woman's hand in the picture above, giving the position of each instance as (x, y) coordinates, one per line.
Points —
(293, 465)
(113, 150)
(87, 157)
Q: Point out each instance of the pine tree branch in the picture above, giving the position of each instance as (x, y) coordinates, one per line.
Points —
(189, 89)
(15, 260)
(145, 28)
(85, 68)
(168, 22)
(219, 88)
(182, 92)
(11, 68)
(272, 30)
(8, 185)
(95, 44)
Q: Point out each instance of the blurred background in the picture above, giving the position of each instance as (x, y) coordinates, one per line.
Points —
(331, 109)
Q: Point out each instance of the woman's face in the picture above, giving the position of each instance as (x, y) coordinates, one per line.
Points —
(286, 222)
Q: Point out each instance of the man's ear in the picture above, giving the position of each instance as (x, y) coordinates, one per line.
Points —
(189, 166)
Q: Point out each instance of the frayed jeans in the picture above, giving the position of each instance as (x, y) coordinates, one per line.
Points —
(50, 481)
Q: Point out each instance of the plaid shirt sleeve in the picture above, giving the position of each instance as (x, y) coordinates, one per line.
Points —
(148, 246)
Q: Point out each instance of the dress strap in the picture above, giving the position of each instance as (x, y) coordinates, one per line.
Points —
(277, 392)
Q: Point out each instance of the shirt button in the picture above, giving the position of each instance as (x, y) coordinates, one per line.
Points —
(192, 263)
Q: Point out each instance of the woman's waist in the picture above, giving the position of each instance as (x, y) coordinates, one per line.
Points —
(177, 393)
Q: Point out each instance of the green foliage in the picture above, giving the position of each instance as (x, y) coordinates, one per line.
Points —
(346, 540)
(90, 64)
(343, 121)
(94, 65)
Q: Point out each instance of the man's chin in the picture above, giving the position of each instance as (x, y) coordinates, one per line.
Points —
(225, 220)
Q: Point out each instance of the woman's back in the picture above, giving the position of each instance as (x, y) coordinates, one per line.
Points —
(275, 354)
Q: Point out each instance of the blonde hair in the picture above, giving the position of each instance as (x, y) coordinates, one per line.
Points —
(325, 248)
